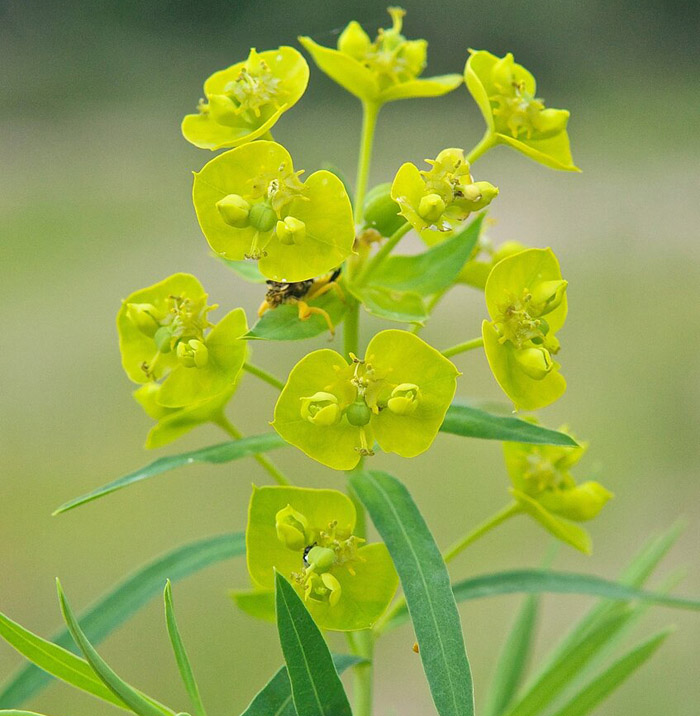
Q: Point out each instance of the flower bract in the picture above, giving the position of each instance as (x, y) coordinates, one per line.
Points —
(307, 535)
(244, 101)
(441, 198)
(168, 343)
(544, 488)
(526, 299)
(382, 70)
(250, 203)
(505, 93)
(397, 396)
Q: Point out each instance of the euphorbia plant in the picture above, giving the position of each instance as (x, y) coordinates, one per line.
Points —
(313, 568)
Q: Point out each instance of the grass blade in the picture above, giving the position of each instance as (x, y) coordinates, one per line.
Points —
(513, 658)
(56, 661)
(223, 452)
(183, 662)
(471, 422)
(136, 701)
(426, 585)
(315, 684)
(275, 698)
(120, 603)
(603, 685)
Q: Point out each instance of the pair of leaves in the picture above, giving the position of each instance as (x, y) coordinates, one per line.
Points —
(461, 419)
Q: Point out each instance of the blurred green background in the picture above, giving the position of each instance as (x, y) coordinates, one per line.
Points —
(95, 203)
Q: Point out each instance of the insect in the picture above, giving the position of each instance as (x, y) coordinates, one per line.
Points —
(306, 553)
(299, 293)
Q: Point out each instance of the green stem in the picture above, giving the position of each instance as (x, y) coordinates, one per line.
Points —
(463, 347)
(230, 429)
(383, 252)
(486, 526)
(351, 327)
(263, 375)
(362, 645)
(369, 122)
(488, 141)
(450, 554)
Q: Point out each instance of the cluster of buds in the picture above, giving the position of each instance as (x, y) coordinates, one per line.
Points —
(443, 196)
(397, 396)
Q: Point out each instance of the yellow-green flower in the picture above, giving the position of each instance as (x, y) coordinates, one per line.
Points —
(476, 270)
(381, 71)
(505, 93)
(307, 535)
(244, 101)
(166, 338)
(442, 197)
(398, 395)
(250, 203)
(544, 488)
(526, 299)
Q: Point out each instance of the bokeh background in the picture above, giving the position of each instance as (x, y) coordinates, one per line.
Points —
(94, 203)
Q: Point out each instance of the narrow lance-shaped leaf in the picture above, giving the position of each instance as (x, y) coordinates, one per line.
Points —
(472, 422)
(124, 600)
(223, 452)
(183, 662)
(426, 585)
(534, 581)
(138, 703)
(316, 686)
(433, 270)
(14, 712)
(56, 661)
(275, 698)
(604, 684)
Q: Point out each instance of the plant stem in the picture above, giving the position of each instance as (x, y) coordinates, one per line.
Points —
(488, 141)
(369, 122)
(463, 347)
(363, 645)
(263, 375)
(383, 252)
(481, 530)
(230, 429)
(450, 554)
(351, 327)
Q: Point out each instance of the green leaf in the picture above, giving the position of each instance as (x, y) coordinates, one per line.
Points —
(562, 672)
(275, 698)
(400, 306)
(315, 684)
(534, 581)
(513, 658)
(223, 452)
(432, 271)
(125, 599)
(246, 269)
(603, 685)
(14, 712)
(426, 585)
(283, 323)
(56, 661)
(471, 422)
(136, 701)
(183, 661)
(333, 169)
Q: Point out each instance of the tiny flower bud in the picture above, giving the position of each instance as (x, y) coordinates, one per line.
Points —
(535, 362)
(262, 216)
(354, 41)
(333, 587)
(404, 399)
(358, 414)
(431, 207)
(550, 121)
(234, 210)
(414, 53)
(163, 338)
(142, 316)
(381, 211)
(192, 353)
(322, 558)
(292, 528)
(479, 194)
(549, 294)
(321, 409)
(291, 231)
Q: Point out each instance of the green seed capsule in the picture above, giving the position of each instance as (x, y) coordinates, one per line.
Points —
(262, 216)
(358, 414)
